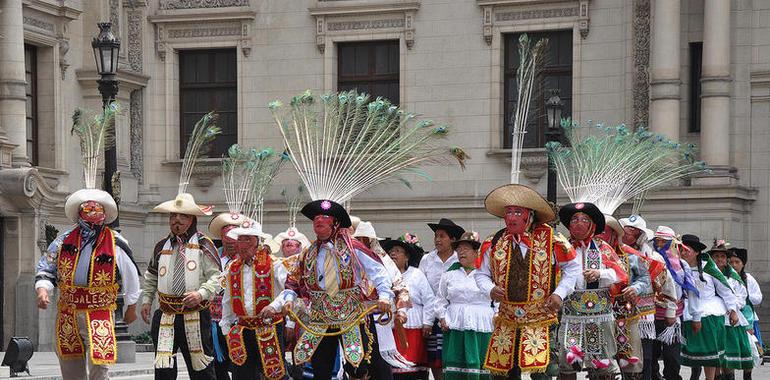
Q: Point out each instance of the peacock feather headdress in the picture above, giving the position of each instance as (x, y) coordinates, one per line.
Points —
(347, 142)
(293, 203)
(95, 133)
(608, 166)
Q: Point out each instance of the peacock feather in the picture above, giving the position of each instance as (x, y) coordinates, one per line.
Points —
(95, 131)
(204, 132)
(247, 175)
(345, 143)
(531, 59)
(609, 165)
(293, 203)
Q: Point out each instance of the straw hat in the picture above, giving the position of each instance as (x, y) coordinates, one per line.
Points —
(223, 220)
(184, 203)
(72, 206)
(613, 223)
(522, 196)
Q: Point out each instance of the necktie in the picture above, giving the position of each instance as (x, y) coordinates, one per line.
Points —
(177, 282)
(330, 274)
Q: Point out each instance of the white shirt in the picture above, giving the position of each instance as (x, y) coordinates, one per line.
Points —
(607, 276)
(432, 266)
(755, 293)
(247, 271)
(423, 301)
(570, 271)
(740, 294)
(714, 298)
(129, 274)
(461, 304)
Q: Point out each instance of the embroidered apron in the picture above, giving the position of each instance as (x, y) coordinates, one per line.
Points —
(171, 305)
(333, 311)
(530, 318)
(97, 300)
(264, 330)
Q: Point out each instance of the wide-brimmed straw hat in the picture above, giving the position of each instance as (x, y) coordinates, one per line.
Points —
(184, 203)
(72, 205)
(223, 220)
(613, 223)
(518, 195)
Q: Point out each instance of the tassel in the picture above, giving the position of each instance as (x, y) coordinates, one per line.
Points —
(200, 360)
(601, 364)
(217, 347)
(575, 355)
(647, 329)
(163, 360)
(671, 334)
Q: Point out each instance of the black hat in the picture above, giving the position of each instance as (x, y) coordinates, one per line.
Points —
(693, 242)
(327, 207)
(413, 250)
(590, 209)
(449, 226)
(469, 237)
(740, 253)
(722, 246)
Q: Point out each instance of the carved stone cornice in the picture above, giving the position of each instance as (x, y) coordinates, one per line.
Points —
(129, 80)
(510, 12)
(24, 189)
(197, 4)
(56, 8)
(218, 24)
(362, 17)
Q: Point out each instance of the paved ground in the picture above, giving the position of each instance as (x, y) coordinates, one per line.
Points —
(45, 366)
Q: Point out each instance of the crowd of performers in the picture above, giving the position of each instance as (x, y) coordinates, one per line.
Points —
(611, 298)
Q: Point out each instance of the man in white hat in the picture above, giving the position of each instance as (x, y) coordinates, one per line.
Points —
(88, 263)
(519, 271)
(625, 306)
(291, 242)
(663, 292)
(251, 282)
(184, 272)
(330, 274)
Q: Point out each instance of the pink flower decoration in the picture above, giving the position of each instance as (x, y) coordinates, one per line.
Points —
(325, 205)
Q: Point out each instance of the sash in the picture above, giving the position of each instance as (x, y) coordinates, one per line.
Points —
(97, 300)
(171, 305)
(265, 331)
(530, 319)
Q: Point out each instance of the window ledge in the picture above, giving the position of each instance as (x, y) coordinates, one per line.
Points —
(205, 172)
(534, 161)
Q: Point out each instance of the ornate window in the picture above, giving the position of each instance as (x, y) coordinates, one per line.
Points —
(30, 70)
(371, 67)
(556, 74)
(208, 82)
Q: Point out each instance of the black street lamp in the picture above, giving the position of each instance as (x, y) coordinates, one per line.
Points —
(106, 49)
(553, 107)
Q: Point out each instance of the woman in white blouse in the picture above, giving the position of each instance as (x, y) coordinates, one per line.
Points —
(406, 253)
(465, 313)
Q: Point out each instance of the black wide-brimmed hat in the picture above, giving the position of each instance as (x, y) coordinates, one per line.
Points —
(469, 237)
(693, 242)
(411, 245)
(327, 207)
(590, 209)
(740, 253)
(449, 226)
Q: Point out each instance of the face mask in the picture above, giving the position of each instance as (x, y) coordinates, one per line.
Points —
(517, 219)
(92, 212)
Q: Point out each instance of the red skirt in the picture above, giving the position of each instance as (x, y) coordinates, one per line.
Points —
(417, 352)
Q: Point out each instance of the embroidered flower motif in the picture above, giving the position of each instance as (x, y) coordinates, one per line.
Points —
(326, 205)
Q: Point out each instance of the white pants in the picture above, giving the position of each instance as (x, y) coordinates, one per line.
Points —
(75, 369)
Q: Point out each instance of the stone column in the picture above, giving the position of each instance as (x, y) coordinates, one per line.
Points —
(715, 85)
(664, 68)
(12, 80)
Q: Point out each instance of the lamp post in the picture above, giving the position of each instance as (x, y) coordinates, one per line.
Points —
(106, 49)
(553, 107)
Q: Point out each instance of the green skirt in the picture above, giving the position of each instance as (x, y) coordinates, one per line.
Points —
(463, 355)
(706, 348)
(737, 348)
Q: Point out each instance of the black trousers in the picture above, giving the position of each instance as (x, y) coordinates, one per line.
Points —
(180, 344)
(647, 350)
(323, 358)
(668, 352)
(222, 369)
(252, 368)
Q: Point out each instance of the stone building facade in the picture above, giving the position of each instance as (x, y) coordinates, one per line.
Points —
(698, 71)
